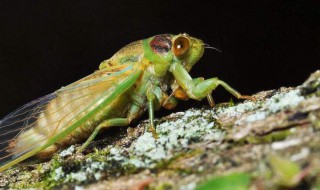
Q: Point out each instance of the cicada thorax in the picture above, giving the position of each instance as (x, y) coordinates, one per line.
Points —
(130, 54)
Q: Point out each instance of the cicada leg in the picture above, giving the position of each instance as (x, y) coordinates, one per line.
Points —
(104, 124)
(152, 103)
(182, 95)
(169, 102)
(200, 89)
(210, 100)
(205, 87)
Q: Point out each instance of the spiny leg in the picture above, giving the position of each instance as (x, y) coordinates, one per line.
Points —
(104, 124)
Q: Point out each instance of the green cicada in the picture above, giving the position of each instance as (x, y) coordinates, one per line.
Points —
(144, 75)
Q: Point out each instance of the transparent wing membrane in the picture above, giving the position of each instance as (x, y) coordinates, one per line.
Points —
(33, 124)
(19, 120)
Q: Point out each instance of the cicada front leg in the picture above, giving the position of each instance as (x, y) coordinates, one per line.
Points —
(200, 89)
(204, 88)
(181, 94)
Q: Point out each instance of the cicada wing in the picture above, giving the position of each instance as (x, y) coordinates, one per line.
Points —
(20, 120)
(34, 124)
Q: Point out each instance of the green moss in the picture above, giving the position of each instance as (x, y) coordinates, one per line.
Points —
(271, 137)
(169, 163)
(164, 186)
(312, 88)
(316, 185)
(235, 181)
(129, 169)
(285, 171)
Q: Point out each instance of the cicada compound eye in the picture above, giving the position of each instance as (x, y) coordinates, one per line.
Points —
(180, 46)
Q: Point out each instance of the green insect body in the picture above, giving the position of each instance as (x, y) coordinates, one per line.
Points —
(144, 75)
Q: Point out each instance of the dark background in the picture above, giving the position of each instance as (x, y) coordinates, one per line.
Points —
(48, 44)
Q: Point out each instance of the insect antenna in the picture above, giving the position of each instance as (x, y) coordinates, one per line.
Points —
(207, 46)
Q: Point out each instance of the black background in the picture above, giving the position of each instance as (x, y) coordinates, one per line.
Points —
(48, 44)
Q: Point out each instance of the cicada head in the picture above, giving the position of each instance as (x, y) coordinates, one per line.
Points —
(164, 49)
(187, 50)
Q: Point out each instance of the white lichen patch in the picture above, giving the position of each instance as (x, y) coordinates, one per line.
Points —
(190, 186)
(58, 174)
(67, 152)
(215, 135)
(236, 111)
(192, 126)
(175, 135)
(78, 176)
(78, 188)
(285, 144)
(116, 153)
(90, 169)
(147, 146)
(138, 163)
(95, 168)
(97, 176)
(276, 103)
(283, 101)
(304, 153)
(260, 115)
